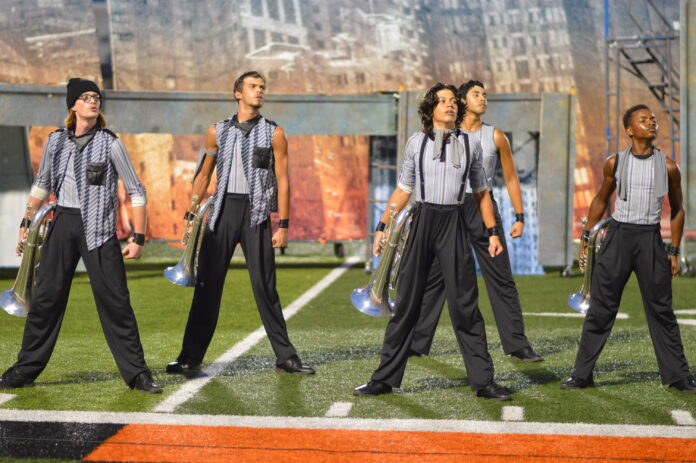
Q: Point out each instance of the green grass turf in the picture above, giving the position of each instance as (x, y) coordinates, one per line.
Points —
(82, 374)
(344, 346)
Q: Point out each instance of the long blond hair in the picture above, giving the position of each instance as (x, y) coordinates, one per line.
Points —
(71, 118)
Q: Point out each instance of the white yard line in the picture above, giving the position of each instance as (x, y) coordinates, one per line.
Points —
(282, 422)
(339, 409)
(512, 413)
(686, 311)
(193, 386)
(621, 316)
(683, 418)
(6, 398)
(682, 321)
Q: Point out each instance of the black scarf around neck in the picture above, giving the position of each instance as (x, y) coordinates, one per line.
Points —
(247, 126)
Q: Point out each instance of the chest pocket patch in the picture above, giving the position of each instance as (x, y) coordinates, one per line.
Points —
(96, 173)
(261, 158)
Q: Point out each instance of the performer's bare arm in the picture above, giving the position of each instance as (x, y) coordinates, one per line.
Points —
(511, 180)
(676, 209)
(485, 205)
(202, 180)
(600, 202)
(399, 199)
(280, 155)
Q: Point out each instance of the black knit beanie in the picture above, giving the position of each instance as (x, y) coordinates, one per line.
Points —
(77, 87)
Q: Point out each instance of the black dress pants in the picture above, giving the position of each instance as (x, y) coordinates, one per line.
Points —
(437, 232)
(61, 252)
(631, 248)
(500, 284)
(216, 252)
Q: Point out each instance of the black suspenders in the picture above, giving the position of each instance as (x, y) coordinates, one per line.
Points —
(420, 166)
(466, 168)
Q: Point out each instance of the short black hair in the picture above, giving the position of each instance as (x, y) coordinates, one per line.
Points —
(629, 112)
(240, 80)
(464, 88)
(430, 101)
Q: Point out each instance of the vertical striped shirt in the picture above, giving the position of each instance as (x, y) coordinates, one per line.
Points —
(237, 181)
(641, 206)
(69, 196)
(484, 136)
(437, 181)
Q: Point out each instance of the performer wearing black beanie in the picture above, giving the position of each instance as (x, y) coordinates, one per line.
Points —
(81, 166)
(77, 87)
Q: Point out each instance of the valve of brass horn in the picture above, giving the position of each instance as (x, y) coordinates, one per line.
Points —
(16, 300)
(580, 300)
(184, 273)
(374, 299)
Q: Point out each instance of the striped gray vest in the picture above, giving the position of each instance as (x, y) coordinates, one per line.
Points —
(485, 136)
(97, 202)
(639, 193)
(262, 181)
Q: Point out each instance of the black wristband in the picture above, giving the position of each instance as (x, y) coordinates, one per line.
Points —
(24, 223)
(492, 231)
(189, 215)
(519, 217)
(381, 226)
(283, 223)
(585, 236)
(673, 250)
(139, 239)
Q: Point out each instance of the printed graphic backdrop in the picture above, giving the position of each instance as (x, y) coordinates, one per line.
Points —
(313, 46)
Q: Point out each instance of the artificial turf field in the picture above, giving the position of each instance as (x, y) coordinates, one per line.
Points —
(343, 345)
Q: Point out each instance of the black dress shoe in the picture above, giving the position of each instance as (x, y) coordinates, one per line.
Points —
(183, 368)
(527, 354)
(144, 382)
(577, 383)
(494, 391)
(294, 365)
(373, 388)
(11, 380)
(687, 385)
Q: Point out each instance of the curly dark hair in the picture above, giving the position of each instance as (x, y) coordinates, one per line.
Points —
(464, 89)
(430, 101)
(629, 112)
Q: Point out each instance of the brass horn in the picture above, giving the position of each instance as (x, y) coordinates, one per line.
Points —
(16, 301)
(184, 273)
(580, 301)
(376, 299)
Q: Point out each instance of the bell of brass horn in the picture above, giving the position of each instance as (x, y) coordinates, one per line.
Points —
(184, 273)
(374, 299)
(580, 301)
(15, 301)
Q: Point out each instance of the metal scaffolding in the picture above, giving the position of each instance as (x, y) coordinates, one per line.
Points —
(650, 55)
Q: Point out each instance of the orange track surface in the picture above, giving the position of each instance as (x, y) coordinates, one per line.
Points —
(158, 443)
